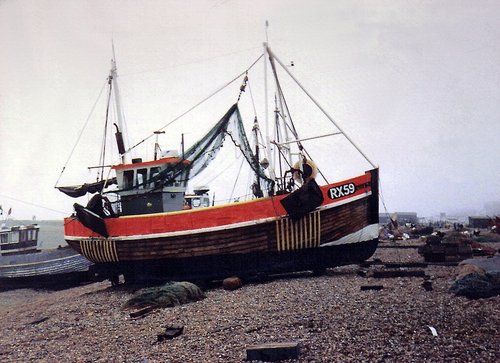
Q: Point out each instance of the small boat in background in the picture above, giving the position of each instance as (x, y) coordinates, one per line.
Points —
(18, 239)
(24, 265)
(53, 268)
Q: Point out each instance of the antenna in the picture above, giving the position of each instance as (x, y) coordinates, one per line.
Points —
(157, 145)
(267, 26)
(113, 49)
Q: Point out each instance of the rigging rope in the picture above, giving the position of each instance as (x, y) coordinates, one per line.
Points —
(282, 99)
(81, 133)
(236, 180)
(322, 110)
(33, 204)
(382, 196)
(200, 60)
(196, 105)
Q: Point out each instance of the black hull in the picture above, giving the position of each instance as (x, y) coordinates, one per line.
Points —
(242, 265)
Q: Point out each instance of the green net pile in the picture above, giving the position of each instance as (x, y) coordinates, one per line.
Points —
(171, 294)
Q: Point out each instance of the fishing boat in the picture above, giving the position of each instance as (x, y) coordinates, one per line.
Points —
(146, 218)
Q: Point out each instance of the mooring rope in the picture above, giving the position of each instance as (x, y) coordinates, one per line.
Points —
(196, 105)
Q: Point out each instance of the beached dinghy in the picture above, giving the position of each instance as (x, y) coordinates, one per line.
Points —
(23, 264)
(142, 222)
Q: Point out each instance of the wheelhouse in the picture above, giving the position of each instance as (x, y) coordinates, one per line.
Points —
(18, 239)
(151, 186)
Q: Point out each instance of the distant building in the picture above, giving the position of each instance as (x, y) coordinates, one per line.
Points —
(480, 222)
(402, 217)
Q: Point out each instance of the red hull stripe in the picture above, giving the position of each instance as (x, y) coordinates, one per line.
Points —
(208, 229)
(226, 216)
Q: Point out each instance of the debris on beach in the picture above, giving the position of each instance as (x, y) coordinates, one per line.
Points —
(427, 284)
(454, 247)
(433, 331)
(439, 247)
(171, 332)
(394, 231)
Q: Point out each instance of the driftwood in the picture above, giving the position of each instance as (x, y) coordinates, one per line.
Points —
(272, 352)
(399, 273)
(405, 264)
(143, 311)
(393, 264)
(38, 321)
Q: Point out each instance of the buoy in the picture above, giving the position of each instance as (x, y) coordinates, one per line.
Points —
(232, 283)
(309, 169)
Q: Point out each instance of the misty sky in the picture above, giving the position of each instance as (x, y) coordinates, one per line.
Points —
(414, 83)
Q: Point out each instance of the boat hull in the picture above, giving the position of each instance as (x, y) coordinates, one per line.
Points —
(241, 238)
(45, 268)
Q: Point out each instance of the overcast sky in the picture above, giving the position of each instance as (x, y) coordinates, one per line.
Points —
(414, 83)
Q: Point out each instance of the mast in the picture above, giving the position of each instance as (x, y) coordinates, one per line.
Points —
(288, 152)
(113, 80)
(270, 152)
(257, 190)
(268, 141)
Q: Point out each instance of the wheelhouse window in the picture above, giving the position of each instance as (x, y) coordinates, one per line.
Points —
(128, 179)
(32, 234)
(205, 202)
(142, 175)
(154, 172)
(14, 237)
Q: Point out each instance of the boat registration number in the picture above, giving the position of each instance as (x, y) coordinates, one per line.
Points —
(342, 191)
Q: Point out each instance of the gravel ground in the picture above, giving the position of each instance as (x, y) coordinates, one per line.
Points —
(331, 318)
